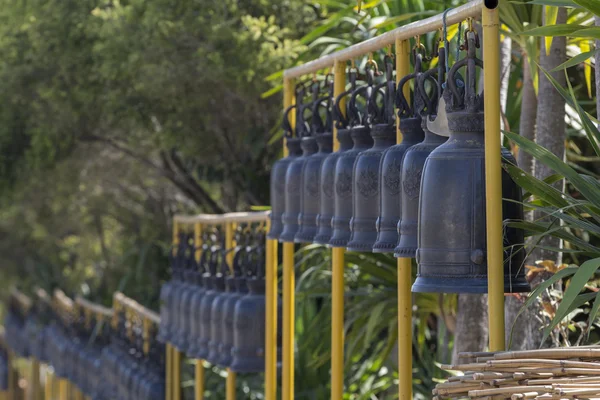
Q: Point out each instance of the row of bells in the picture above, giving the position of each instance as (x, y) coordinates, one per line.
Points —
(128, 372)
(213, 316)
(107, 368)
(423, 198)
(3, 370)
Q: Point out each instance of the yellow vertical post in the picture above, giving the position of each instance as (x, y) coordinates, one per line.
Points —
(337, 270)
(231, 376)
(271, 318)
(63, 389)
(288, 285)
(176, 373)
(35, 379)
(493, 174)
(48, 385)
(199, 367)
(404, 264)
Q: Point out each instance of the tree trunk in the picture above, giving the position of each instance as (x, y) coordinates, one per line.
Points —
(528, 115)
(549, 133)
(550, 126)
(471, 324)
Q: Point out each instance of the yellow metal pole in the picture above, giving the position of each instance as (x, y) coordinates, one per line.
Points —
(271, 319)
(493, 173)
(176, 374)
(231, 376)
(199, 367)
(168, 368)
(288, 287)
(63, 389)
(199, 380)
(404, 264)
(288, 320)
(230, 389)
(337, 271)
(35, 379)
(48, 385)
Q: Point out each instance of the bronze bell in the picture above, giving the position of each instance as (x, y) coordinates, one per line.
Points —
(294, 173)
(414, 159)
(365, 176)
(311, 175)
(167, 293)
(391, 164)
(360, 133)
(205, 309)
(327, 206)
(237, 288)
(179, 338)
(452, 222)
(278, 173)
(249, 320)
(192, 327)
(216, 314)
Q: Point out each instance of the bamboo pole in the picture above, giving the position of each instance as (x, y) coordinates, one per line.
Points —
(48, 385)
(36, 389)
(404, 264)
(493, 174)
(337, 270)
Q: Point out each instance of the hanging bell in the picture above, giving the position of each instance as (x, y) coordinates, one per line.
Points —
(216, 313)
(205, 311)
(249, 321)
(391, 163)
(294, 173)
(360, 133)
(452, 222)
(168, 292)
(185, 291)
(236, 286)
(365, 176)
(311, 175)
(327, 205)
(193, 326)
(278, 173)
(415, 156)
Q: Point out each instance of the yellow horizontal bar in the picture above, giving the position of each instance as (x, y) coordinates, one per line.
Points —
(212, 219)
(454, 16)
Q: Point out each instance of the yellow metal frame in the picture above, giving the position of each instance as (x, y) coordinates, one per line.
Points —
(229, 222)
(488, 9)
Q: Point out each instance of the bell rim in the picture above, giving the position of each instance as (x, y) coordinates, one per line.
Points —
(457, 285)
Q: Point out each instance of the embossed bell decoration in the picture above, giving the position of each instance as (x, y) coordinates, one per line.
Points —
(391, 163)
(360, 133)
(236, 286)
(205, 312)
(365, 176)
(452, 222)
(193, 328)
(311, 175)
(415, 156)
(327, 206)
(249, 321)
(294, 173)
(278, 173)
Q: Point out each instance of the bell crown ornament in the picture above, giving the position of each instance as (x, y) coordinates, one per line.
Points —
(294, 173)
(366, 173)
(451, 253)
(311, 174)
(415, 156)
(391, 163)
(361, 141)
